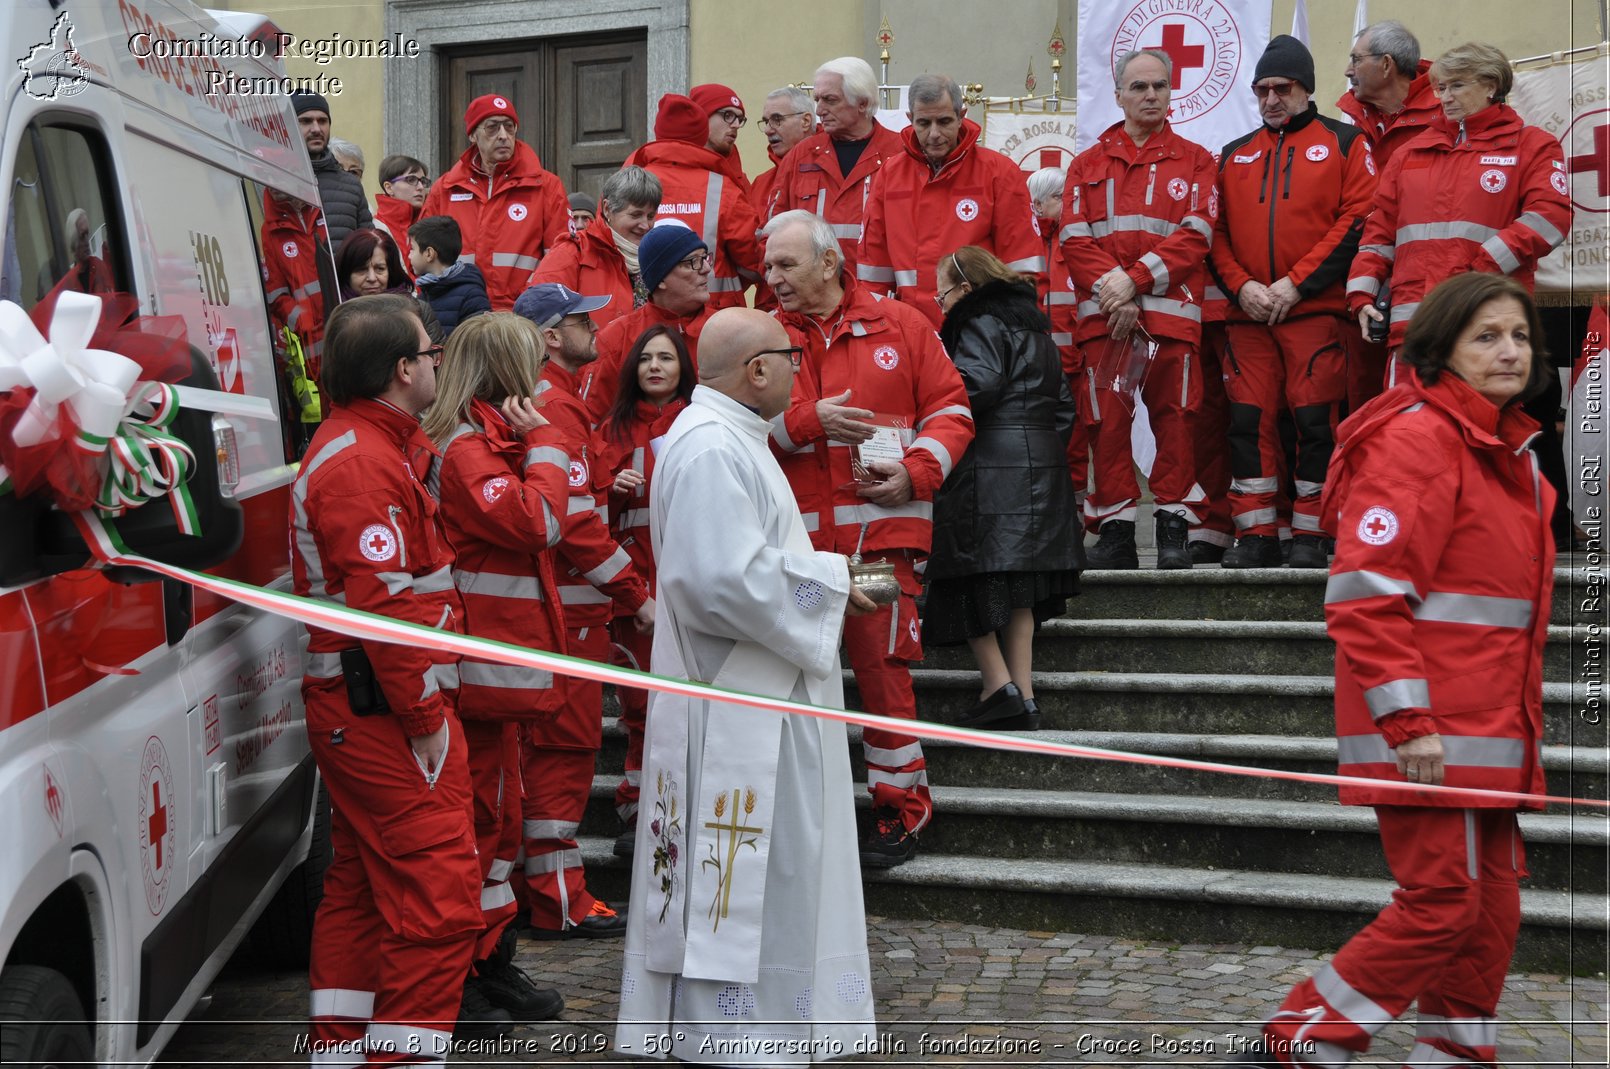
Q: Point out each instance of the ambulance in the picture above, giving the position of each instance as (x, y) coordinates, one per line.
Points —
(160, 804)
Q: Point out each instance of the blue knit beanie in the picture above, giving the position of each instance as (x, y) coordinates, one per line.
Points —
(662, 248)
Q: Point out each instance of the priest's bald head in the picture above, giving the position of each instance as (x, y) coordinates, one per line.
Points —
(746, 355)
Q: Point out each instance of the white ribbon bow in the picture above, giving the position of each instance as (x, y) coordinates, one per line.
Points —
(94, 383)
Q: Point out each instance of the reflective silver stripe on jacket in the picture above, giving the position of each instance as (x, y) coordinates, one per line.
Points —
(1541, 227)
(1402, 313)
(712, 212)
(1385, 252)
(1062, 297)
(1442, 231)
(724, 284)
(779, 434)
(1470, 751)
(1201, 226)
(617, 563)
(1481, 610)
(1034, 264)
(813, 521)
(1364, 284)
(939, 452)
(1396, 695)
(549, 829)
(322, 666)
(949, 410)
(868, 273)
(1159, 272)
(514, 259)
(548, 454)
(1075, 230)
(506, 676)
(1499, 250)
(1166, 306)
(905, 278)
(584, 503)
(583, 595)
(1350, 586)
(495, 585)
(634, 518)
(914, 510)
(1144, 224)
(439, 677)
(307, 546)
(846, 230)
(1061, 338)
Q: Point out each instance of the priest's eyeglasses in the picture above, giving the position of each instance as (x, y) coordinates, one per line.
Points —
(792, 353)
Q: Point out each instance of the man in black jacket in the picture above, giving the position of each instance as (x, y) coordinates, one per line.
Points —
(345, 208)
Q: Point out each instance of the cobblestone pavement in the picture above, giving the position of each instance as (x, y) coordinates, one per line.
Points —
(961, 994)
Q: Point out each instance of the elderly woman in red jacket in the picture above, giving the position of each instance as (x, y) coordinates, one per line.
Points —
(1478, 191)
(1439, 603)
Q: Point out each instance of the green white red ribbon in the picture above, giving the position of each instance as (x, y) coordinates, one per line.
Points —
(148, 461)
(369, 627)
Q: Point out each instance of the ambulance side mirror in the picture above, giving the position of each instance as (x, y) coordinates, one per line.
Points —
(40, 540)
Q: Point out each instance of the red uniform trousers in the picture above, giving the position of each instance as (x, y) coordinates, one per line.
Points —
(631, 649)
(1299, 365)
(1172, 391)
(881, 647)
(557, 764)
(1366, 367)
(1079, 440)
(1446, 939)
(1212, 456)
(494, 756)
(401, 913)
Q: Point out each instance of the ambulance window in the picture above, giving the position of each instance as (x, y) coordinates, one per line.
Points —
(298, 278)
(63, 229)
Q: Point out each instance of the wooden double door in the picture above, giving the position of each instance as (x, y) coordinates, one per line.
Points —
(581, 99)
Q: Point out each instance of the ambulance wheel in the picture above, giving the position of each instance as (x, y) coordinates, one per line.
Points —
(46, 1021)
(283, 935)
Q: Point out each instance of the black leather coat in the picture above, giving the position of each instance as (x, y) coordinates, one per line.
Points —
(1008, 506)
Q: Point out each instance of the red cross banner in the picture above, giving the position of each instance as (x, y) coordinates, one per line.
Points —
(1031, 136)
(1570, 100)
(1214, 44)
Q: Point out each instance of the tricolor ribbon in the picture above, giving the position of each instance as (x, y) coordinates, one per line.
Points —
(148, 461)
(371, 627)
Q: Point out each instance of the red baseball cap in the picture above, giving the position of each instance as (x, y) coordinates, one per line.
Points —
(680, 119)
(711, 98)
(483, 108)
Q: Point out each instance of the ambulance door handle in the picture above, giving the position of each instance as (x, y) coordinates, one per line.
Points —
(178, 609)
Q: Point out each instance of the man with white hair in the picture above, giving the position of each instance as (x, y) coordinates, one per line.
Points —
(830, 173)
(943, 191)
(788, 119)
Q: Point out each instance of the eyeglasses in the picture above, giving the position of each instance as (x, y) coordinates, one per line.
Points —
(939, 298)
(792, 353)
(1355, 60)
(498, 126)
(697, 262)
(1282, 90)
(779, 118)
(412, 179)
(582, 320)
(732, 118)
(433, 354)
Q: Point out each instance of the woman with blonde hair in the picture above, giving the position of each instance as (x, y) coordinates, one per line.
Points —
(502, 484)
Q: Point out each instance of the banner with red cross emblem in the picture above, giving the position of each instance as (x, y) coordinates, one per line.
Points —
(1032, 137)
(1570, 101)
(1214, 45)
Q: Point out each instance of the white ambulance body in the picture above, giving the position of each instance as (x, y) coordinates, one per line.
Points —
(155, 778)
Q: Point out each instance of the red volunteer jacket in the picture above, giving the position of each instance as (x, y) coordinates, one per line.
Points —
(365, 534)
(510, 220)
(809, 179)
(915, 216)
(1498, 202)
(393, 217)
(1440, 592)
(598, 378)
(590, 263)
(1293, 204)
(1149, 210)
(1059, 298)
(700, 191)
(762, 186)
(503, 499)
(1387, 133)
(592, 571)
(293, 240)
(892, 363)
(628, 513)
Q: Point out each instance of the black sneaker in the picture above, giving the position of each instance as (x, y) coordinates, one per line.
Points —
(478, 1019)
(1115, 548)
(1205, 552)
(887, 843)
(626, 841)
(1254, 551)
(507, 987)
(1003, 710)
(1308, 551)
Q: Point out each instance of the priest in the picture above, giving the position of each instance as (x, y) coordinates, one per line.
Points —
(746, 943)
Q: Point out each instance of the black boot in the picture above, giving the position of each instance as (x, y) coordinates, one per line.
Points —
(1171, 533)
(1205, 552)
(477, 1017)
(1115, 549)
(1254, 551)
(1308, 551)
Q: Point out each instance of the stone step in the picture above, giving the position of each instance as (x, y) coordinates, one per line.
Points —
(1576, 772)
(1214, 593)
(1559, 931)
(1563, 852)
(1296, 705)
(1271, 647)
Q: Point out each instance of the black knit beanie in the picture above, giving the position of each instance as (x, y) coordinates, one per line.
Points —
(1286, 57)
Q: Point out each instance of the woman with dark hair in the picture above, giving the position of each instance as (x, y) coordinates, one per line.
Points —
(1438, 602)
(368, 263)
(655, 382)
(1006, 546)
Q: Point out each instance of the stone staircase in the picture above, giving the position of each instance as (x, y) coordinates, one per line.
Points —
(1230, 667)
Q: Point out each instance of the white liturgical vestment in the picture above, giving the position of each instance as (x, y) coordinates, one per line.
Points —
(746, 941)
